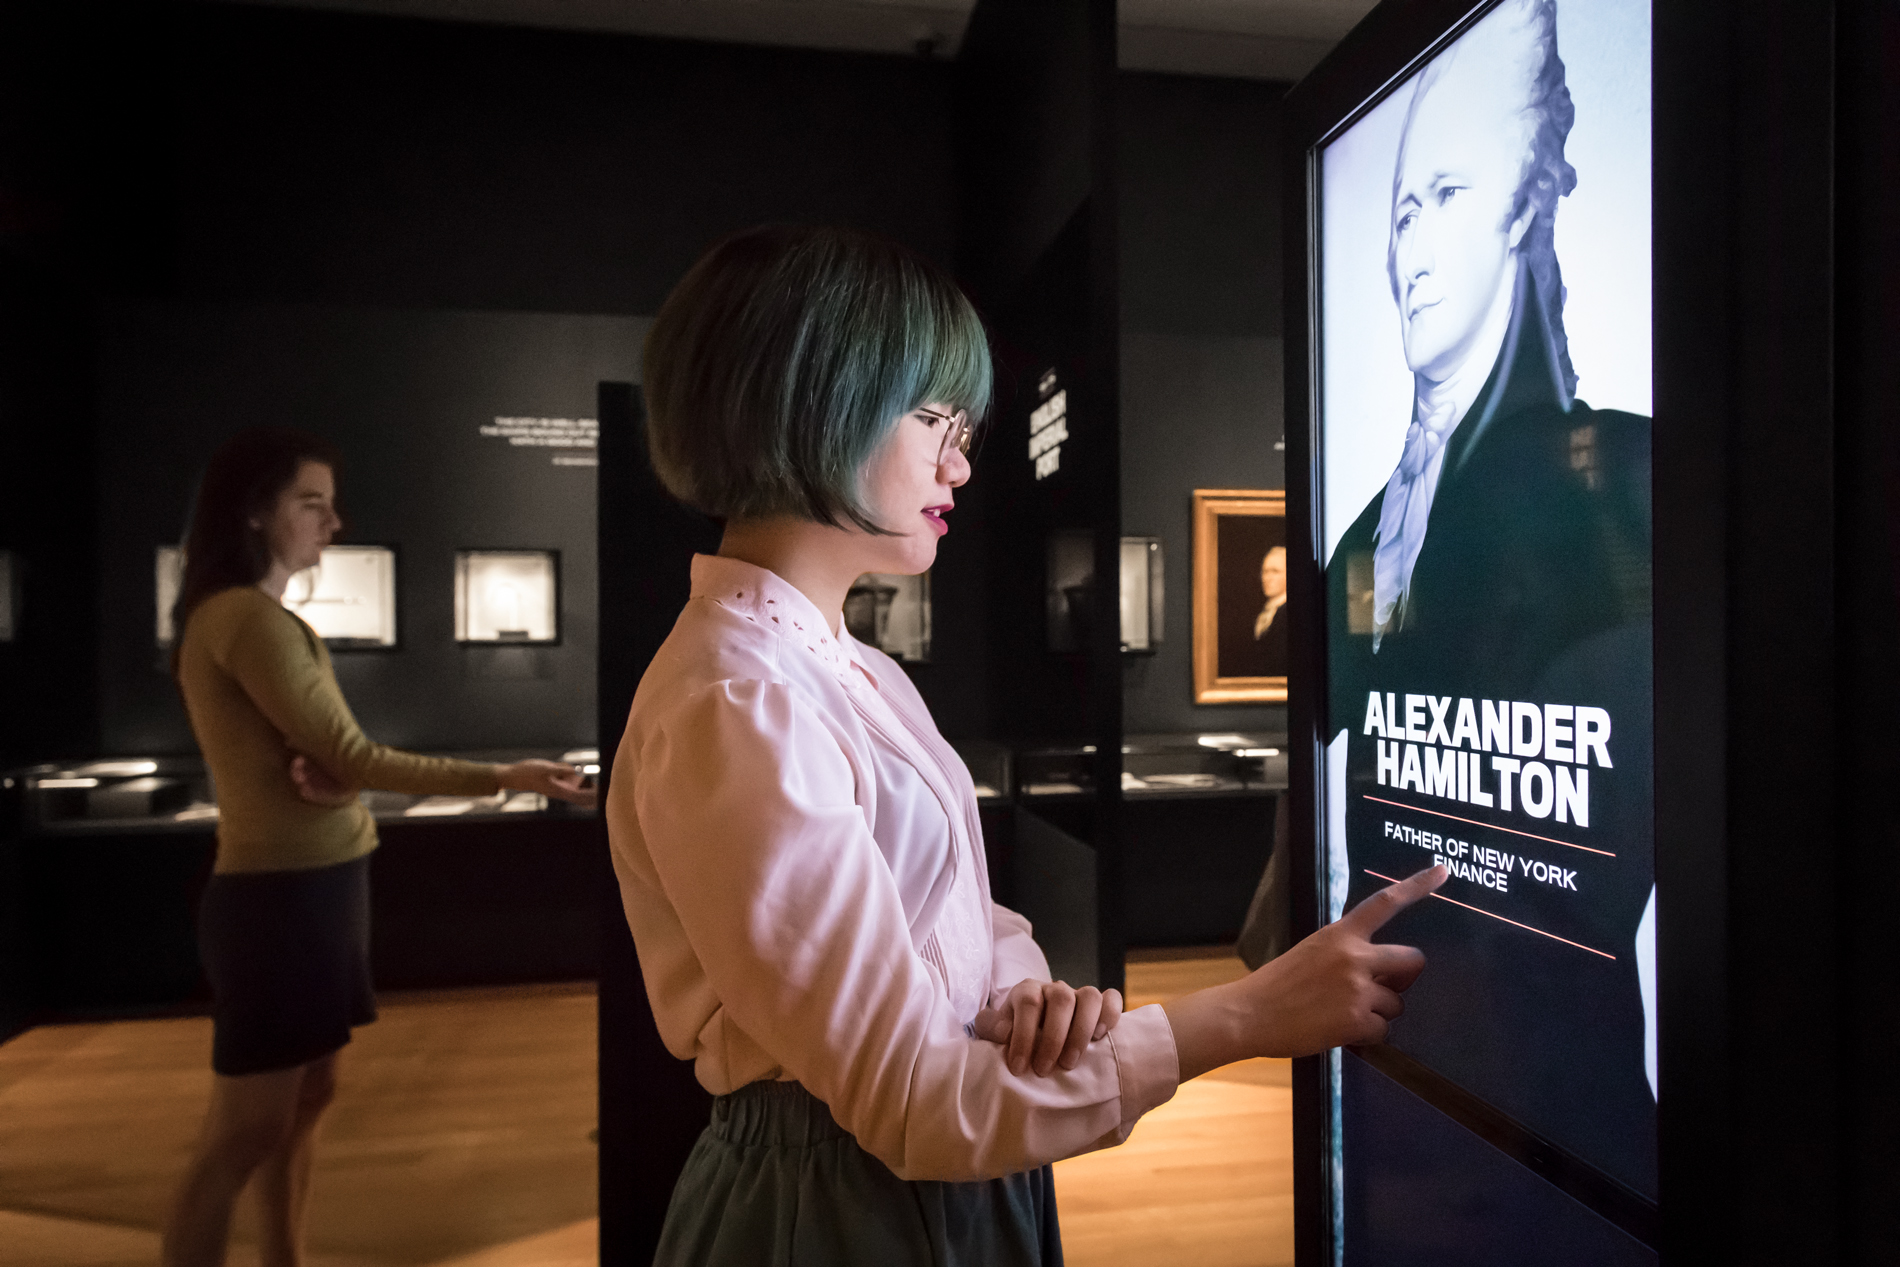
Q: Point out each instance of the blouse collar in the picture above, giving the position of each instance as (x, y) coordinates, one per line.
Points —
(769, 601)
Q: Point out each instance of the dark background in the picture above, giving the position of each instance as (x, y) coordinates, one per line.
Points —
(362, 226)
(185, 159)
(245, 201)
(388, 231)
(1202, 389)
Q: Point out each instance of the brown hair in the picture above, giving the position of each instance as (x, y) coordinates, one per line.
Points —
(223, 550)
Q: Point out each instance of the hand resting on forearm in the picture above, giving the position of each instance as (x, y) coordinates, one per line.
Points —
(1046, 1024)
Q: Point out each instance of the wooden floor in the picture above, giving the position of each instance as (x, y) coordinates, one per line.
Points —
(1206, 1180)
(462, 1129)
(462, 1137)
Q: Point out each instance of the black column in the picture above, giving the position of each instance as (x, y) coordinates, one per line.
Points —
(651, 1106)
(1037, 246)
(1867, 491)
(1776, 473)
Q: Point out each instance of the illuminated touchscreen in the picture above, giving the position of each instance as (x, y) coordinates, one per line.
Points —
(1484, 396)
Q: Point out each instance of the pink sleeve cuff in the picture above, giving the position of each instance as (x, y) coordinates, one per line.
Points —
(1146, 1061)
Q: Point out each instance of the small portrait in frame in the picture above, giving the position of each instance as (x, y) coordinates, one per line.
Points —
(1240, 615)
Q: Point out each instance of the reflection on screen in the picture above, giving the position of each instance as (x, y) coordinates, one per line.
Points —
(1487, 534)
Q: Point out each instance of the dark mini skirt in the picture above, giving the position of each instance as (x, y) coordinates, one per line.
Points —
(288, 957)
(774, 1181)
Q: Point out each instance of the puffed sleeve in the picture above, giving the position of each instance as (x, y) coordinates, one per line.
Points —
(745, 799)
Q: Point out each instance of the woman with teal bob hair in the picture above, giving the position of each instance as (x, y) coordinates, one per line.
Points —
(798, 849)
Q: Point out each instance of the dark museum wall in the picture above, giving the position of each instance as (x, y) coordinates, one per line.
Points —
(366, 161)
(324, 157)
(1200, 187)
(321, 166)
(226, 218)
(48, 263)
(404, 395)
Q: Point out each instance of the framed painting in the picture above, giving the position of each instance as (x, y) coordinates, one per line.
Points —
(1240, 620)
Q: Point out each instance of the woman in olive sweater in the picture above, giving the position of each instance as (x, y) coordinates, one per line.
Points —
(284, 929)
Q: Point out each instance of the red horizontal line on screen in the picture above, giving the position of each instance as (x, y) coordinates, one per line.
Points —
(1494, 915)
(1549, 840)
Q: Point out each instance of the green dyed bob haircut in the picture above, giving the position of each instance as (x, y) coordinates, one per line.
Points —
(786, 356)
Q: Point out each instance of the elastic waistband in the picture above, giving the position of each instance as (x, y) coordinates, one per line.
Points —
(773, 1114)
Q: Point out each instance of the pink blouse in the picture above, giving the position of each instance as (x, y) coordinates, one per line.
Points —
(802, 866)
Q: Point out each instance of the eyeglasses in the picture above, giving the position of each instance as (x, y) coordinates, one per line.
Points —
(957, 435)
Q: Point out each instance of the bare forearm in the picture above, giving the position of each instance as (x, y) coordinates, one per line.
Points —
(1212, 1027)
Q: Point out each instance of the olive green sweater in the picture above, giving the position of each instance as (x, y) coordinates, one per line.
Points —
(259, 687)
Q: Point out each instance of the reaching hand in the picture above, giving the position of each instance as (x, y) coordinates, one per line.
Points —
(1337, 988)
(1046, 1024)
(317, 785)
(554, 779)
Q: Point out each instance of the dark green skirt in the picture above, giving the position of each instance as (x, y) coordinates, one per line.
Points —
(774, 1181)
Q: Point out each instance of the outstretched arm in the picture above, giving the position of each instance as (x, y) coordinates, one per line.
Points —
(554, 779)
(1337, 988)
(270, 656)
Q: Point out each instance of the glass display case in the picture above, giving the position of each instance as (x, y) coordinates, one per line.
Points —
(1069, 579)
(990, 766)
(349, 598)
(1142, 594)
(507, 596)
(891, 612)
(1163, 766)
(168, 571)
(1061, 771)
(1069, 572)
(143, 793)
(115, 791)
(1223, 764)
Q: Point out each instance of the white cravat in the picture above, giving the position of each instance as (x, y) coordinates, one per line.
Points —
(1437, 410)
(1408, 505)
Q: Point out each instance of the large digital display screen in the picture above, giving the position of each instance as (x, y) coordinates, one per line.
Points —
(1484, 447)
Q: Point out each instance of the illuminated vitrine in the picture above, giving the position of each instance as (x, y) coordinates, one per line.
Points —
(168, 569)
(1141, 594)
(9, 595)
(507, 596)
(892, 613)
(350, 597)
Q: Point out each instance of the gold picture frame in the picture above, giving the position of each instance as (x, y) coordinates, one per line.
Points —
(1237, 641)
